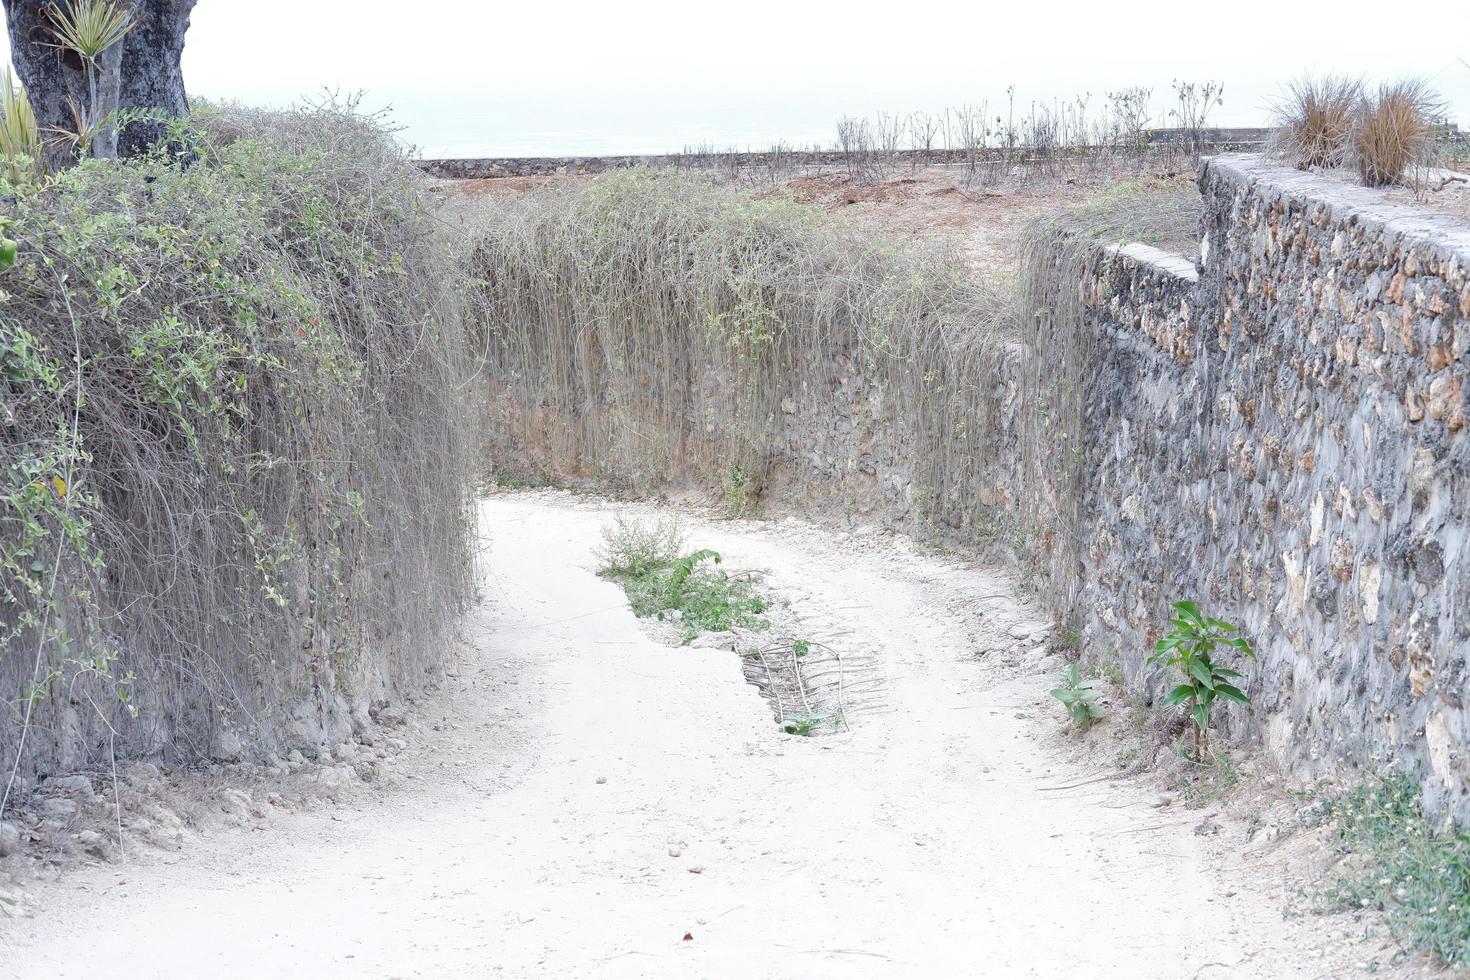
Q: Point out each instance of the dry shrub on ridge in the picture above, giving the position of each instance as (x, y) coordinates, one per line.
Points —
(1394, 129)
(1315, 121)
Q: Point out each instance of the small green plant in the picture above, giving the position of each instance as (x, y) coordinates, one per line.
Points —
(683, 568)
(1396, 860)
(1191, 647)
(644, 558)
(800, 647)
(1079, 697)
(1202, 783)
(1109, 667)
(88, 28)
(804, 725)
(742, 491)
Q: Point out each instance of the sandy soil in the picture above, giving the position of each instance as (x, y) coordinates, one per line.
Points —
(583, 801)
(985, 219)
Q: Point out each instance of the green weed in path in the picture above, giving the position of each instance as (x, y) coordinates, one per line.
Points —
(647, 560)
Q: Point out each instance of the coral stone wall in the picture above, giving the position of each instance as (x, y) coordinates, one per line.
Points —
(1287, 442)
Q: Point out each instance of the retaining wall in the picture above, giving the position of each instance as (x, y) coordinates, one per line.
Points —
(1288, 445)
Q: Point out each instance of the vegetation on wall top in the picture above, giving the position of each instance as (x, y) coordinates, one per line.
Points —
(219, 387)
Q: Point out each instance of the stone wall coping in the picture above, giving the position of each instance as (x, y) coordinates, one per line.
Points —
(1446, 233)
(1168, 263)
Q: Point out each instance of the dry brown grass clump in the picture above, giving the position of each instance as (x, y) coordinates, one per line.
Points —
(1315, 121)
(1394, 129)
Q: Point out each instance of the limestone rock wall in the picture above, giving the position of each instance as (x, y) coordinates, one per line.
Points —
(1288, 445)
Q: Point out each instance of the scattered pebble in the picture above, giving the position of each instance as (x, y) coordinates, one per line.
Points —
(601, 780)
(696, 869)
(674, 852)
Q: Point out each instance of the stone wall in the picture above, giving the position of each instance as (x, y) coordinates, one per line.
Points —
(1283, 438)
(785, 157)
(1276, 430)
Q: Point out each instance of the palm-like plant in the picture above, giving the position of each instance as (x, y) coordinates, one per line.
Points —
(20, 141)
(88, 29)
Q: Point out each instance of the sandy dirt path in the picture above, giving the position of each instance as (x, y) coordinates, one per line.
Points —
(933, 839)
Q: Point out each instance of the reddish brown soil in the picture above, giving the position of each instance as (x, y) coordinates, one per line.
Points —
(985, 218)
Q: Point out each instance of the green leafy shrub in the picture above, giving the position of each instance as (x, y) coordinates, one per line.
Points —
(1191, 647)
(631, 547)
(1079, 697)
(233, 471)
(644, 559)
(1397, 861)
(678, 576)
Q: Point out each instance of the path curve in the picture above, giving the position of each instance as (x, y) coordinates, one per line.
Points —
(574, 758)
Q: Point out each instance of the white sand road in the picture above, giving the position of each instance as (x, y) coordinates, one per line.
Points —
(937, 838)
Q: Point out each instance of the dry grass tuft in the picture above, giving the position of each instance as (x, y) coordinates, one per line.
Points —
(1315, 121)
(1394, 129)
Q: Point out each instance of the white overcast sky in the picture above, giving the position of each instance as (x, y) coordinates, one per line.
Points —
(638, 76)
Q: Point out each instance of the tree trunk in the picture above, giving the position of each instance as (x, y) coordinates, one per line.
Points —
(151, 73)
(55, 80)
(141, 72)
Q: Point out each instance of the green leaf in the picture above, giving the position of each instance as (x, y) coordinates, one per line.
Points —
(7, 253)
(1181, 693)
(1201, 714)
(1226, 672)
(1189, 611)
(1201, 672)
(1232, 692)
